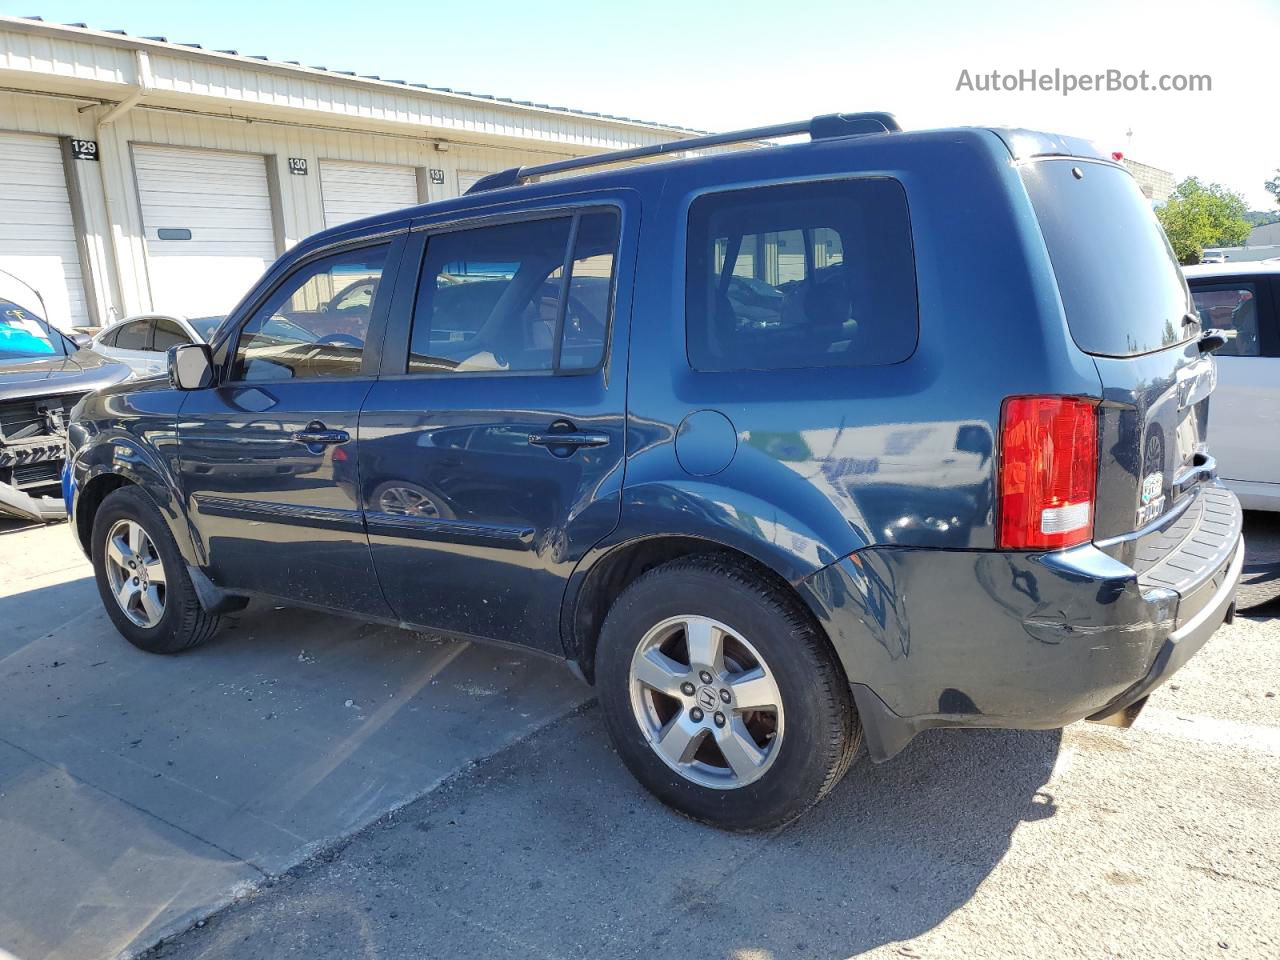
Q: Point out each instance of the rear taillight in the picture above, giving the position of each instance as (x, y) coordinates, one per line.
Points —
(1048, 472)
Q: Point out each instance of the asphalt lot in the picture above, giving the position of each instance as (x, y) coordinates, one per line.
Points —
(276, 770)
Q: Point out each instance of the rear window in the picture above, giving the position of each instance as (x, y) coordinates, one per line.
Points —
(1121, 286)
(801, 275)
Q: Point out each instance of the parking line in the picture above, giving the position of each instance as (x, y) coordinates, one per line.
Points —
(1227, 733)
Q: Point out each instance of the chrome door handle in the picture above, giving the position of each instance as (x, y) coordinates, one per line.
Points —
(317, 433)
(573, 439)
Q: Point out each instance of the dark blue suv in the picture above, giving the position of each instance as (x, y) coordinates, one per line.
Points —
(785, 449)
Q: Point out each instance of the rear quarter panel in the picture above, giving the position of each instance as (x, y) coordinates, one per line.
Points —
(832, 460)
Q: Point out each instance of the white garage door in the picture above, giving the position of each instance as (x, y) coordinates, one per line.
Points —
(206, 217)
(355, 190)
(37, 234)
(467, 179)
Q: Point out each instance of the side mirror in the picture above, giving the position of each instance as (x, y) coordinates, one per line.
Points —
(190, 366)
(1211, 340)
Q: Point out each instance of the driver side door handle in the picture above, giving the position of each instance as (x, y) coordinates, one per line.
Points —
(574, 439)
(316, 433)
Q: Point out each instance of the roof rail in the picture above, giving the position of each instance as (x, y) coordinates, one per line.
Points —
(818, 128)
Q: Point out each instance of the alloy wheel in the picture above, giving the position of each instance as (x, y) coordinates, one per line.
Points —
(706, 701)
(135, 573)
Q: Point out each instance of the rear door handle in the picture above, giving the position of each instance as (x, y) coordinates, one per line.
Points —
(316, 433)
(573, 439)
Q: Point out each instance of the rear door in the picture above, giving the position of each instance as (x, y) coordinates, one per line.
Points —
(1128, 306)
(491, 448)
(1246, 403)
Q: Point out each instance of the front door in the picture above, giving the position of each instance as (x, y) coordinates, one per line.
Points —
(269, 455)
(491, 449)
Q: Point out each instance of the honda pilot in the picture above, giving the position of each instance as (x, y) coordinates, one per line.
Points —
(786, 449)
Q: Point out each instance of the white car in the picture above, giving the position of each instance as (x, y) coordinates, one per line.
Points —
(1243, 300)
(142, 342)
(1244, 415)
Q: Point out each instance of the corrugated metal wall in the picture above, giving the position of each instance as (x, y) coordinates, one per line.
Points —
(74, 77)
(110, 192)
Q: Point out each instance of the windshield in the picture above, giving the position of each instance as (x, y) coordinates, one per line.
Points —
(205, 326)
(1121, 287)
(24, 334)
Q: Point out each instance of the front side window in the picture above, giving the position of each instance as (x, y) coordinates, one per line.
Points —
(1233, 309)
(315, 323)
(497, 298)
(135, 335)
(801, 275)
(168, 334)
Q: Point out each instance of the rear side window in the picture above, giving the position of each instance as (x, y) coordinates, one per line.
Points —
(801, 275)
(1233, 309)
(1121, 286)
(519, 297)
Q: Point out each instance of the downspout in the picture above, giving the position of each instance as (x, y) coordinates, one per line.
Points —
(142, 73)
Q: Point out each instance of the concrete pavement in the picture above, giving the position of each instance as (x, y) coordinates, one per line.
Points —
(274, 772)
(138, 793)
(1157, 842)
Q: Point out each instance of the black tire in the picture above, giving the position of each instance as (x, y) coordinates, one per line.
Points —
(184, 623)
(822, 732)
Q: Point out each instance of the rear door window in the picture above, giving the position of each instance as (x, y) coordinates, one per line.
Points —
(1121, 287)
(496, 299)
(801, 275)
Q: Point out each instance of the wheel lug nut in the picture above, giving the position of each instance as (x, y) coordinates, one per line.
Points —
(135, 581)
(695, 715)
(724, 696)
(719, 719)
(705, 677)
(686, 689)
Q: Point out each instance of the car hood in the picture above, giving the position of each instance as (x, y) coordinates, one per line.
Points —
(80, 372)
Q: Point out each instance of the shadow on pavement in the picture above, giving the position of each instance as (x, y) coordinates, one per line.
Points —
(552, 850)
(1259, 591)
(137, 792)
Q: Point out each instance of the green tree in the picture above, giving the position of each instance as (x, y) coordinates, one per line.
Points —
(1199, 215)
(1273, 186)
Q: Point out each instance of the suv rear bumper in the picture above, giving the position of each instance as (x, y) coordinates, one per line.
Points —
(978, 638)
(1184, 641)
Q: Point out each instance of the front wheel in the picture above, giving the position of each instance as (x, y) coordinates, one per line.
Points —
(721, 695)
(142, 579)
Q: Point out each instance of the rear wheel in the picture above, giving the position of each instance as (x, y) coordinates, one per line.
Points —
(721, 695)
(141, 576)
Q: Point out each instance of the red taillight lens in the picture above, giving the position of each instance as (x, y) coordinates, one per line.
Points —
(1048, 472)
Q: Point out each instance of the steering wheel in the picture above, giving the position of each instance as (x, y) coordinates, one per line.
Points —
(340, 340)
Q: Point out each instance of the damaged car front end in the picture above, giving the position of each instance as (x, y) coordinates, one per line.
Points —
(42, 376)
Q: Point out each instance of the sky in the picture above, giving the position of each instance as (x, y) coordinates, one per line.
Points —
(721, 66)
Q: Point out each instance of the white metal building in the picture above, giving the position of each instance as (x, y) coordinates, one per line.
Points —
(138, 174)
